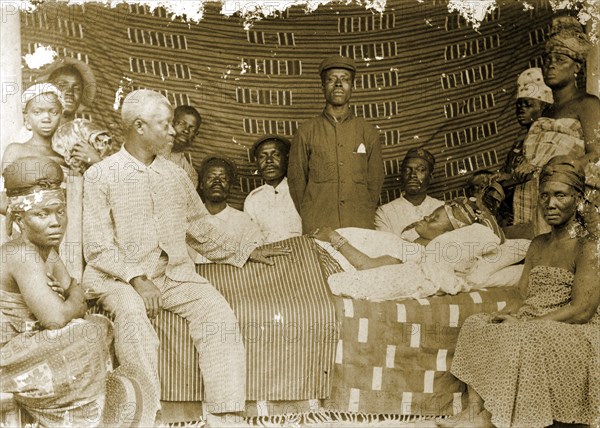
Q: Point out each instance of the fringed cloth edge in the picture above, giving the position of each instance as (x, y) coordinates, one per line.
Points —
(324, 418)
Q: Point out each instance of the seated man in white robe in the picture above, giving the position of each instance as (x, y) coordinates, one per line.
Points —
(414, 203)
(217, 175)
(270, 206)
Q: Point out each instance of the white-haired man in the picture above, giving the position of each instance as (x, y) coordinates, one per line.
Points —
(139, 212)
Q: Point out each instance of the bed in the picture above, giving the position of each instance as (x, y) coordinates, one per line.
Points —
(308, 350)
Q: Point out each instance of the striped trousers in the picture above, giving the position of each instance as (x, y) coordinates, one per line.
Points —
(213, 327)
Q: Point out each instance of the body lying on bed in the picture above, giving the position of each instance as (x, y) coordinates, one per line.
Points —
(459, 246)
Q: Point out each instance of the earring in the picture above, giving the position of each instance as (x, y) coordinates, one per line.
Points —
(28, 126)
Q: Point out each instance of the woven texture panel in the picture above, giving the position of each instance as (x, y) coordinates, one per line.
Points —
(395, 357)
(425, 77)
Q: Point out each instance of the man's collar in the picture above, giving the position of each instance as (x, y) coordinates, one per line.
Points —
(223, 214)
(348, 115)
(283, 184)
(128, 157)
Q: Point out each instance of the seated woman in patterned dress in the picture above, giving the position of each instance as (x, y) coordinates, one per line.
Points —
(52, 360)
(540, 364)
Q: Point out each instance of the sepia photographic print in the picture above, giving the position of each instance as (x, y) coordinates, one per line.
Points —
(295, 213)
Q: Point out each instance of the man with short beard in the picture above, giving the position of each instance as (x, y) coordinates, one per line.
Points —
(414, 203)
(217, 175)
(270, 206)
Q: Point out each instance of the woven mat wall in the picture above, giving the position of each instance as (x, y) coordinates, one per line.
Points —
(425, 76)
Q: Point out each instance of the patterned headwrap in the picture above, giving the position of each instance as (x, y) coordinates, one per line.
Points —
(41, 198)
(32, 182)
(34, 91)
(563, 170)
(530, 84)
(567, 38)
(499, 193)
(464, 212)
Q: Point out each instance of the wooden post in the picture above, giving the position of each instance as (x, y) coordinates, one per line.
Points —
(10, 72)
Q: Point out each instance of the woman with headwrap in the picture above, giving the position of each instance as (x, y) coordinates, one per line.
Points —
(53, 360)
(570, 126)
(75, 145)
(540, 364)
(454, 234)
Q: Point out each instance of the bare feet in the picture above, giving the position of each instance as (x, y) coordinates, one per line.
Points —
(467, 419)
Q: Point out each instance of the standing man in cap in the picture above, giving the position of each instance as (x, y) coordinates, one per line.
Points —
(336, 171)
(414, 203)
(270, 206)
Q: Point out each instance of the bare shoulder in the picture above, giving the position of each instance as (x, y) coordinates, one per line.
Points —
(588, 105)
(14, 261)
(9, 254)
(12, 152)
(539, 242)
(538, 247)
(589, 251)
(591, 99)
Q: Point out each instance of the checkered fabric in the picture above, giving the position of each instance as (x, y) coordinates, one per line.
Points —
(395, 357)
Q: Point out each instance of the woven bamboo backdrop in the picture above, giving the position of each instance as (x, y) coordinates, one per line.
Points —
(425, 77)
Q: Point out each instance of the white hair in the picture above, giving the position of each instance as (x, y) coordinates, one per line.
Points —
(139, 103)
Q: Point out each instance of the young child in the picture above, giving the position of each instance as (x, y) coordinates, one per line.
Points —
(533, 97)
(42, 109)
(43, 106)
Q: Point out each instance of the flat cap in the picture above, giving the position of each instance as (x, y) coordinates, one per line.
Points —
(337, 61)
(265, 138)
(420, 153)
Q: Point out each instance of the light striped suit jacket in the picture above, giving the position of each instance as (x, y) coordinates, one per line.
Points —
(133, 213)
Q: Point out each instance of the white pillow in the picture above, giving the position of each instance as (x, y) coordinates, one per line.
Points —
(513, 251)
(453, 252)
(508, 276)
(461, 245)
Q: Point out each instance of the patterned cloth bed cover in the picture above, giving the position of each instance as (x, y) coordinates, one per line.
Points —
(287, 322)
(305, 345)
(395, 357)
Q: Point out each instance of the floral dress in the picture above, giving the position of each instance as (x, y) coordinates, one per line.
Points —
(530, 374)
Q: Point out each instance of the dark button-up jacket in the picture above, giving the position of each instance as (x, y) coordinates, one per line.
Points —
(335, 172)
